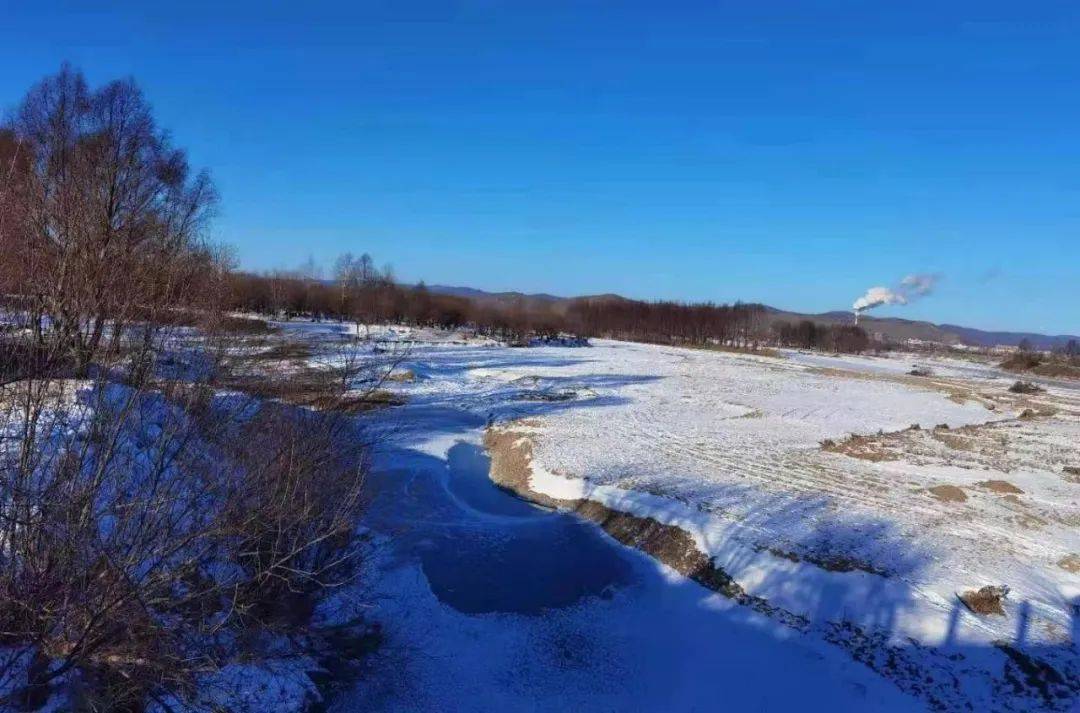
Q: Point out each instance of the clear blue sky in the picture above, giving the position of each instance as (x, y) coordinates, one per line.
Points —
(790, 153)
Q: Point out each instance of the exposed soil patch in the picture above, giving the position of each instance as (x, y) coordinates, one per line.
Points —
(1029, 522)
(356, 404)
(1000, 486)
(284, 351)
(958, 441)
(986, 600)
(550, 396)
(402, 376)
(1070, 563)
(835, 563)
(948, 493)
(871, 448)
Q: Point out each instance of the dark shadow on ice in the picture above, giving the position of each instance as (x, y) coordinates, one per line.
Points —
(484, 550)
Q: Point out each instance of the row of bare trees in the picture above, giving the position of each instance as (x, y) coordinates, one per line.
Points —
(150, 526)
(670, 322)
(807, 334)
(365, 295)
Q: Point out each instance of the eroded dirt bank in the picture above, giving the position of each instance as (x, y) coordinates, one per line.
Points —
(511, 457)
(923, 671)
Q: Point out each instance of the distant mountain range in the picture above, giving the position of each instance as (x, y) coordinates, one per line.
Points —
(889, 327)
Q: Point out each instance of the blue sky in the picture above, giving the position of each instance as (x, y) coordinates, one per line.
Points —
(790, 153)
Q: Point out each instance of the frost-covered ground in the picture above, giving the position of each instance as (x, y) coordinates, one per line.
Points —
(859, 539)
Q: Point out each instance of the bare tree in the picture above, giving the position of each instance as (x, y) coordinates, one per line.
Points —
(110, 214)
(146, 523)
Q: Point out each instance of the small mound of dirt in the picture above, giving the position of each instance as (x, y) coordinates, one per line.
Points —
(1070, 563)
(1000, 486)
(1026, 387)
(948, 493)
(986, 600)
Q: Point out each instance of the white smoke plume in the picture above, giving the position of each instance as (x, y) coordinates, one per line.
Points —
(910, 289)
(877, 296)
(919, 285)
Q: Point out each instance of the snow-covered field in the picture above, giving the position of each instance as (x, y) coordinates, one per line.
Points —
(859, 537)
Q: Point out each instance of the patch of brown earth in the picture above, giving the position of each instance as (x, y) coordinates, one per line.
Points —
(869, 448)
(948, 493)
(363, 403)
(986, 600)
(1000, 486)
(402, 376)
(834, 563)
(283, 351)
(1029, 522)
(1070, 563)
(956, 441)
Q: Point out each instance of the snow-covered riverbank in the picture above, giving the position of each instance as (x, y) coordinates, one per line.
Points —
(854, 540)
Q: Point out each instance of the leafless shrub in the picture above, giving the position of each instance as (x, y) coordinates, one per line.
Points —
(150, 527)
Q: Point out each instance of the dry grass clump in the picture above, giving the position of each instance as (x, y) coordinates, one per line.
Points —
(869, 448)
(987, 600)
(282, 351)
(402, 376)
(1022, 361)
(1053, 365)
(348, 382)
(1026, 387)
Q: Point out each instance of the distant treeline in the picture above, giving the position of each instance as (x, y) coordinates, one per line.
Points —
(360, 293)
(807, 334)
